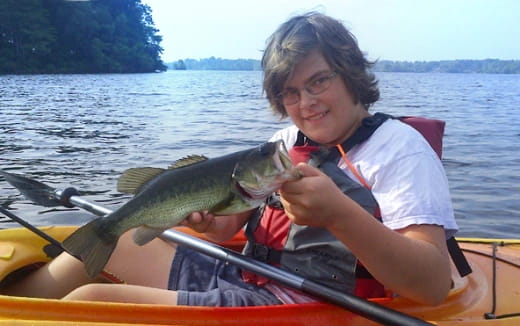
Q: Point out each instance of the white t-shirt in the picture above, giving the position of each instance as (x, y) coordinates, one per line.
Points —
(407, 178)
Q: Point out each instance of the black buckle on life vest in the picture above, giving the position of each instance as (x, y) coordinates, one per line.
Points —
(266, 254)
(273, 201)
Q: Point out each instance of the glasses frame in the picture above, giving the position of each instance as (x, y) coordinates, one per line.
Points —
(325, 80)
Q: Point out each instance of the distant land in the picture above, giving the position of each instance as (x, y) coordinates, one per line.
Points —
(487, 66)
(213, 63)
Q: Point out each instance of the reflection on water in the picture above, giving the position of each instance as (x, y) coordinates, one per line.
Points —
(84, 130)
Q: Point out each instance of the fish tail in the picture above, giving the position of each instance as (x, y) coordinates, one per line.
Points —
(92, 246)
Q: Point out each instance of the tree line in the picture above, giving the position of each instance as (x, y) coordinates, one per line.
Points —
(213, 63)
(96, 36)
(488, 66)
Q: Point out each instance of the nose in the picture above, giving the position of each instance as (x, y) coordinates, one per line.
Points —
(306, 99)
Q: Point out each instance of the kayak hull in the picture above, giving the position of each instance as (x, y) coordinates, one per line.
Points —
(470, 299)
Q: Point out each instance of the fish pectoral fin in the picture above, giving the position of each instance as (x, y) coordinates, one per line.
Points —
(188, 160)
(145, 234)
(133, 180)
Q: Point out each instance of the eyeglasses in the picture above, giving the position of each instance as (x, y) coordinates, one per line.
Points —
(315, 86)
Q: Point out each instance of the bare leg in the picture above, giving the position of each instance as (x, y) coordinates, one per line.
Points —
(52, 280)
(148, 265)
(123, 293)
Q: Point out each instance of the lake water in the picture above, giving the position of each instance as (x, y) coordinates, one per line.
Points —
(85, 130)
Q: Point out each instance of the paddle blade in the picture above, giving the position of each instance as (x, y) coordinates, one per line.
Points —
(35, 191)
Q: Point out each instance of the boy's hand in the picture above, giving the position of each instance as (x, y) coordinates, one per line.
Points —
(312, 200)
(201, 222)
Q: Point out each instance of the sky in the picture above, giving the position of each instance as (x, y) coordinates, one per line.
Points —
(403, 30)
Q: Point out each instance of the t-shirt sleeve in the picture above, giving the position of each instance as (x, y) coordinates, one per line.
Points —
(406, 176)
(414, 190)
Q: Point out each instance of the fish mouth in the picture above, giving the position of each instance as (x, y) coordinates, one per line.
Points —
(246, 193)
(263, 185)
(281, 158)
(284, 164)
(256, 194)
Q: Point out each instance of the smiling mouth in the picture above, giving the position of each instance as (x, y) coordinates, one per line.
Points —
(316, 116)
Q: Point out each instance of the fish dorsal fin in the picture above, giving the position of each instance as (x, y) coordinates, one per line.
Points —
(134, 179)
(188, 160)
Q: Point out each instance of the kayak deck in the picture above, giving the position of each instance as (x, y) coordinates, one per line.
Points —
(469, 300)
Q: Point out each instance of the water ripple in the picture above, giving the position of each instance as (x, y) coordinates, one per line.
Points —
(85, 130)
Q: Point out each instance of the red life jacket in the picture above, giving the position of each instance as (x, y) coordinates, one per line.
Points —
(272, 229)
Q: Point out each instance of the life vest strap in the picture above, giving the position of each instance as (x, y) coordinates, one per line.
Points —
(265, 254)
(458, 257)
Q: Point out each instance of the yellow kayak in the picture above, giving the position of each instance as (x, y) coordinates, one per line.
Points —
(493, 289)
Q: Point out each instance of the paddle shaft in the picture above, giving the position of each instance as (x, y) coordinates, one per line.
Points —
(29, 226)
(350, 302)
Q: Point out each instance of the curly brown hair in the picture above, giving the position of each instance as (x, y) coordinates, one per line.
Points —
(294, 39)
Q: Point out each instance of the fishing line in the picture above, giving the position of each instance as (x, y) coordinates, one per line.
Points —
(491, 315)
(500, 259)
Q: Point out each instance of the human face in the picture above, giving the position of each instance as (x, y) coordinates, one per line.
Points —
(329, 117)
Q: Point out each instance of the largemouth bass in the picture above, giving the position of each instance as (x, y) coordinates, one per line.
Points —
(225, 185)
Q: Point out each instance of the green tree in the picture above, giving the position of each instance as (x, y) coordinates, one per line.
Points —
(97, 36)
(179, 65)
(26, 36)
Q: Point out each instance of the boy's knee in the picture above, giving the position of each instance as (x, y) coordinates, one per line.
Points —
(88, 292)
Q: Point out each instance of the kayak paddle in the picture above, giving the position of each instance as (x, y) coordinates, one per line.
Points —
(44, 195)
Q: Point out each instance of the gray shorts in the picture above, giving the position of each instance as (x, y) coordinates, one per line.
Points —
(201, 280)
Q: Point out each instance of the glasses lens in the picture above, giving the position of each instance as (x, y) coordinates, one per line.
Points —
(314, 87)
(290, 97)
(320, 84)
